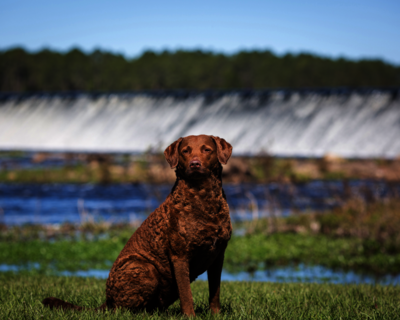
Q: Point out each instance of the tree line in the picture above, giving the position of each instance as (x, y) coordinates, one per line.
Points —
(75, 70)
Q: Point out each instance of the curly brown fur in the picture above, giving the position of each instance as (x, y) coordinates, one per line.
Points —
(184, 237)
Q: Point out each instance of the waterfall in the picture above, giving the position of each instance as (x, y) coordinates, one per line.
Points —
(351, 124)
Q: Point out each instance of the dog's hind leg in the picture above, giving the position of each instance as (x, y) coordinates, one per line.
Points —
(134, 285)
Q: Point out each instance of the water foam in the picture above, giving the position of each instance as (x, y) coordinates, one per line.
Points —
(311, 124)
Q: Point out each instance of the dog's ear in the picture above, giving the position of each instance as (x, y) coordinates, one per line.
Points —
(224, 149)
(172, 154)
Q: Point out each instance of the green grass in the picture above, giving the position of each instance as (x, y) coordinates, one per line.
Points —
(67, 174)
(281, 249)
(243, 252)
(21, 296)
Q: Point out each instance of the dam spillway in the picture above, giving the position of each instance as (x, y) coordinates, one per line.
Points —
(350, 124)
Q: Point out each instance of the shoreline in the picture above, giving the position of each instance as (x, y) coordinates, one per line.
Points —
(358, 236)
(20, 167)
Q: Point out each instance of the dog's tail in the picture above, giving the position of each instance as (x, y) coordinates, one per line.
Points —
(55, 303)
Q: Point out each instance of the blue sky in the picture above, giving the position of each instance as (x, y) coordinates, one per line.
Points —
(353, 29)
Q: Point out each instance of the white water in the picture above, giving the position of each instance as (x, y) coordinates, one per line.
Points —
(311, 125)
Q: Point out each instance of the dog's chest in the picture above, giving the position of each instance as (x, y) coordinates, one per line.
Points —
(208, 231)
(200, 223)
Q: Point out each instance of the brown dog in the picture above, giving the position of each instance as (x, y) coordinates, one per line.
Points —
(180, 240)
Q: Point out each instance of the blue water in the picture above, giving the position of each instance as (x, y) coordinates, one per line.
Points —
(25, 160)
(58, 203)
(300, 273)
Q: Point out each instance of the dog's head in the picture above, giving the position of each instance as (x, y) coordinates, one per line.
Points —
(198, 155)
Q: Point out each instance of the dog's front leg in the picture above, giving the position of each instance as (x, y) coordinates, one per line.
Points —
(214, 282)
(181, 270)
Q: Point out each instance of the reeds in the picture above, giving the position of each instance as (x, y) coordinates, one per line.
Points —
(376, 223)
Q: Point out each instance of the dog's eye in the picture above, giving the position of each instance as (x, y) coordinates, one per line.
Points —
(207, 150)
(185, 151)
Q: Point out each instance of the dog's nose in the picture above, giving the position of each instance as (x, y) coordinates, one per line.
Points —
(195, 164)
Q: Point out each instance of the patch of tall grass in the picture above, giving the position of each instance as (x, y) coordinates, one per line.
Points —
(376, 223)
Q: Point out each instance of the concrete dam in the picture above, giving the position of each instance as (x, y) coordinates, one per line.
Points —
(350, 124)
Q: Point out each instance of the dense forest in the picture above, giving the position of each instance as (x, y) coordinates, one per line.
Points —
(46, 70)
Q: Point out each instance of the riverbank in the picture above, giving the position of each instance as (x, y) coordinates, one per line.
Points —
(21, 295)
(152, 168)
(359, 237)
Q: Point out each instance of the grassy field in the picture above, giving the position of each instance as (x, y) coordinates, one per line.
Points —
(20, 297)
